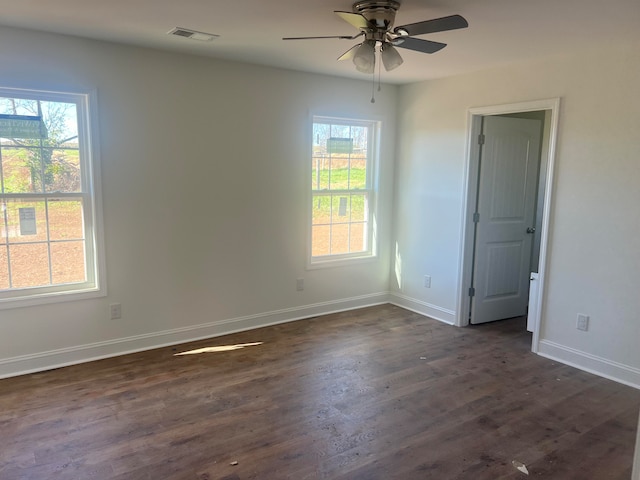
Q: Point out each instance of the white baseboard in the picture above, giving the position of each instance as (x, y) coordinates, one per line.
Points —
(37, 362)
(423, 308)
(590, 363)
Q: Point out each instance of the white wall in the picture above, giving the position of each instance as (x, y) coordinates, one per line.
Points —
(594, 257)
(204, 193)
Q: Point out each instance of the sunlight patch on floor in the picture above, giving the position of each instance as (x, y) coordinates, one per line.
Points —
(221, 348)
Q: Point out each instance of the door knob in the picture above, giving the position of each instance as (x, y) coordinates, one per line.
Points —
(531, 229)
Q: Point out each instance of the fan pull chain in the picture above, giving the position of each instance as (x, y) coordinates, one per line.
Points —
(373, 79)
(373, 87)
(379, 70)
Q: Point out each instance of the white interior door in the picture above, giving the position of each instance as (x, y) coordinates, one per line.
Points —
(508, 176)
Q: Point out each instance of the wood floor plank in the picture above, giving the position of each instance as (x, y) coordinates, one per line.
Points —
(375, 393)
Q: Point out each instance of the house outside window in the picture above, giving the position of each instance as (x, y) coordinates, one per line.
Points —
(49, 222)
(342, 189)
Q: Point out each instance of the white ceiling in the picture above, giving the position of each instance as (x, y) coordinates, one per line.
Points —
(500, 31)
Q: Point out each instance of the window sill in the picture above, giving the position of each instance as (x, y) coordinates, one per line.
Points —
(32, 299)
(345, 261)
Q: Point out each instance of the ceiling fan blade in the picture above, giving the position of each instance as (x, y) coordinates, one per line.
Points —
(419, 45)
(355, 19)
(343, 37)
(443, 24)
(349, 53)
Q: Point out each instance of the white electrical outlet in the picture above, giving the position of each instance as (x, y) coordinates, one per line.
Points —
(300, 284)
(115, 310)
(427, 281)
(583, 322)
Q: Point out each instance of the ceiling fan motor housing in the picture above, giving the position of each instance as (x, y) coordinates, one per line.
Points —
(381, 13)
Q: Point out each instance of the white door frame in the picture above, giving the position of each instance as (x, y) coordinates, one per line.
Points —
(474, 124)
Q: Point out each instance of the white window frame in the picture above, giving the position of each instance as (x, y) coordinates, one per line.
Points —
(95, 283)
(373, 149)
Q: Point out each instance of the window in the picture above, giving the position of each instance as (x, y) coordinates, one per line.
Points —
(48, 234)
(342, 189)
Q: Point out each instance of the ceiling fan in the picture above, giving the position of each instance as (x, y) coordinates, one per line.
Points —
(374, 19)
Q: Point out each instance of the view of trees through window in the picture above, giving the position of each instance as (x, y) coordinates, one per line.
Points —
(340, 187)
(41, 200)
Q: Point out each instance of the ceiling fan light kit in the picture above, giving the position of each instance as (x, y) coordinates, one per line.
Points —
(374, 19)
(390, 57)
(365, 57)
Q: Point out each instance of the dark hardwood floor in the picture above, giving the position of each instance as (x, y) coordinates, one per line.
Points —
(376, 393)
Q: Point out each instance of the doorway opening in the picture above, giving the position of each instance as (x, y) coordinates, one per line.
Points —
(507, 212)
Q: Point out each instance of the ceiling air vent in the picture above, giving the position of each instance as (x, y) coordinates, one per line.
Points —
(192, 34)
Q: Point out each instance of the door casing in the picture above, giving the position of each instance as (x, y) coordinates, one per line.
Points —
(474, 125)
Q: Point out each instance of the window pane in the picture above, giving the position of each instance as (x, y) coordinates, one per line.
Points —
(341, 131)
(320, 172)
(61, 119)
(321, 133)
(29, 265)
(21, 170)
(4, 268)
(320, 159)
(320, 240)
(339, 172)
(67, 262)
(65, 219)
(340, 209)
(321, 209)
(18, 106)
(360, 138)
(62, 170)
(339, 239)
(358, 240)
(358, 174)
(359, 210)
(26, 221)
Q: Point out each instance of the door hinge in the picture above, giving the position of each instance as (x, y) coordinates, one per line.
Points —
(481, 139)
(472, 292)
(476, 217)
